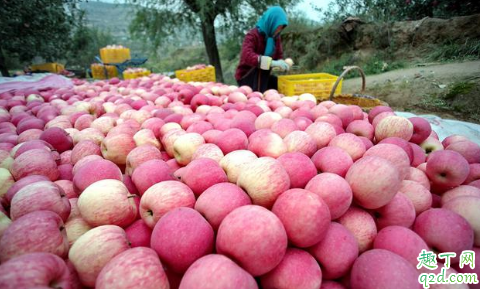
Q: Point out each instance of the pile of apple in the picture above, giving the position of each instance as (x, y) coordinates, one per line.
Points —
(156, 183)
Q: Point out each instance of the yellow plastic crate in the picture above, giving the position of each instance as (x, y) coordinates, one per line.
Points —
(114, 55)
(50, 67)
(318, 84)
(98, 71)
(201, 75)
(132, 75)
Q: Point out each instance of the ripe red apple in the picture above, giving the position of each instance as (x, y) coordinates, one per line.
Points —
(231, 140)
(447, 168)
(394, 126)
(460, 191)
(452, 139)
(266, 120)
(35, 270)
(139, 234)
(418, 176)
(38, 231)
(468, 149)
(332, 160)
(321, 132)
(300, 141)
(444, 231)
(95, 171)
(116, 148)
(398, 212)
(246, 247)
(361, 128)
(307, 226)
(219, 200)
(373, 194)
(467, 207)
(265, 143)
(203, 173)
(94, 249)
(334, 190)
(163, 197)
(232, 163)
(299, 167)
(336, 252)
(362, 225)
(401, 241)
(430, 145)
(393, 153)
(351, 143)
(377, 110)
(298, 269)
(284, 126)
(150, 173)
(35, 162)
(58, 138)
(420, 196)
(139, 155)
(421, 129)
(136, 267)
(43, 195)
(83, 149)
(100, 204)
(264, 179)
(201, 276)
(396, 273)
(181, 237)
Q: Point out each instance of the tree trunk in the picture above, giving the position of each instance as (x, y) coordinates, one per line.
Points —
(208, 32)
(3, 65)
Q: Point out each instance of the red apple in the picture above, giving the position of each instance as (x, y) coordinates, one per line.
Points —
(334, 190)
(247, 247)
(298, 269)
(43, 195)
(203, 173)
(35, 270)
(201, 276)
(307, 226)
(150, 173)
(398, 212)
(336, 252)
(100, 203)
(137, 267)
(264, 179)
(38, 231)
(351, 143)
(396, 272)
(447, 168)
(420, 196)
(35, 162)
(139, 234)
(163, 197)
(181, 237)
(299, 167)
(58, 138)
(219, 200)
(95, 171)
(373, 194)
(362, 226)
(94, 249)
(332, 160)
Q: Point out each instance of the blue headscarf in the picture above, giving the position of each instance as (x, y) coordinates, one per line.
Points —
(268, 23)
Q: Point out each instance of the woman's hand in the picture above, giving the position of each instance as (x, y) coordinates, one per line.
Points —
(281, 64)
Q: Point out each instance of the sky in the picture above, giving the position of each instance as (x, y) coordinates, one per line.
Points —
(305, 6)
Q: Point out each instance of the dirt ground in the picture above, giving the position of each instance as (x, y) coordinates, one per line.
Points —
(449, 90)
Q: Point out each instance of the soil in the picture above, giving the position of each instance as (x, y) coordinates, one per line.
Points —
(427, 89)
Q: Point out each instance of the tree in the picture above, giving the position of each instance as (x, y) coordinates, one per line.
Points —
(158, 20)
(34, 28)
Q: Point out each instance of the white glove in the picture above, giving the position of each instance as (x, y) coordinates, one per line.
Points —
(281, 64)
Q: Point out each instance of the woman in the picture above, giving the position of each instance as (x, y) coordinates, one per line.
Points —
(262, 50)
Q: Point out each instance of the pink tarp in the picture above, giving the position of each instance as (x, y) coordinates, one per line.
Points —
(36, 82)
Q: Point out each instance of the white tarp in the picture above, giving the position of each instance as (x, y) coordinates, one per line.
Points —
(448, 127)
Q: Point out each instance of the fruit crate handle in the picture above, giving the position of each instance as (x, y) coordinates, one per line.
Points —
(348, 69)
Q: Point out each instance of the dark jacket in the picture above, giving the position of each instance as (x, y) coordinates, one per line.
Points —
(253, 47)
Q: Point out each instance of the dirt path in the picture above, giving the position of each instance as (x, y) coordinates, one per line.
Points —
(422, 89)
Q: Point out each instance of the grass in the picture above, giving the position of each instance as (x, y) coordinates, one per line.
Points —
(375, 64)
(453, 51)
(458, 88)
